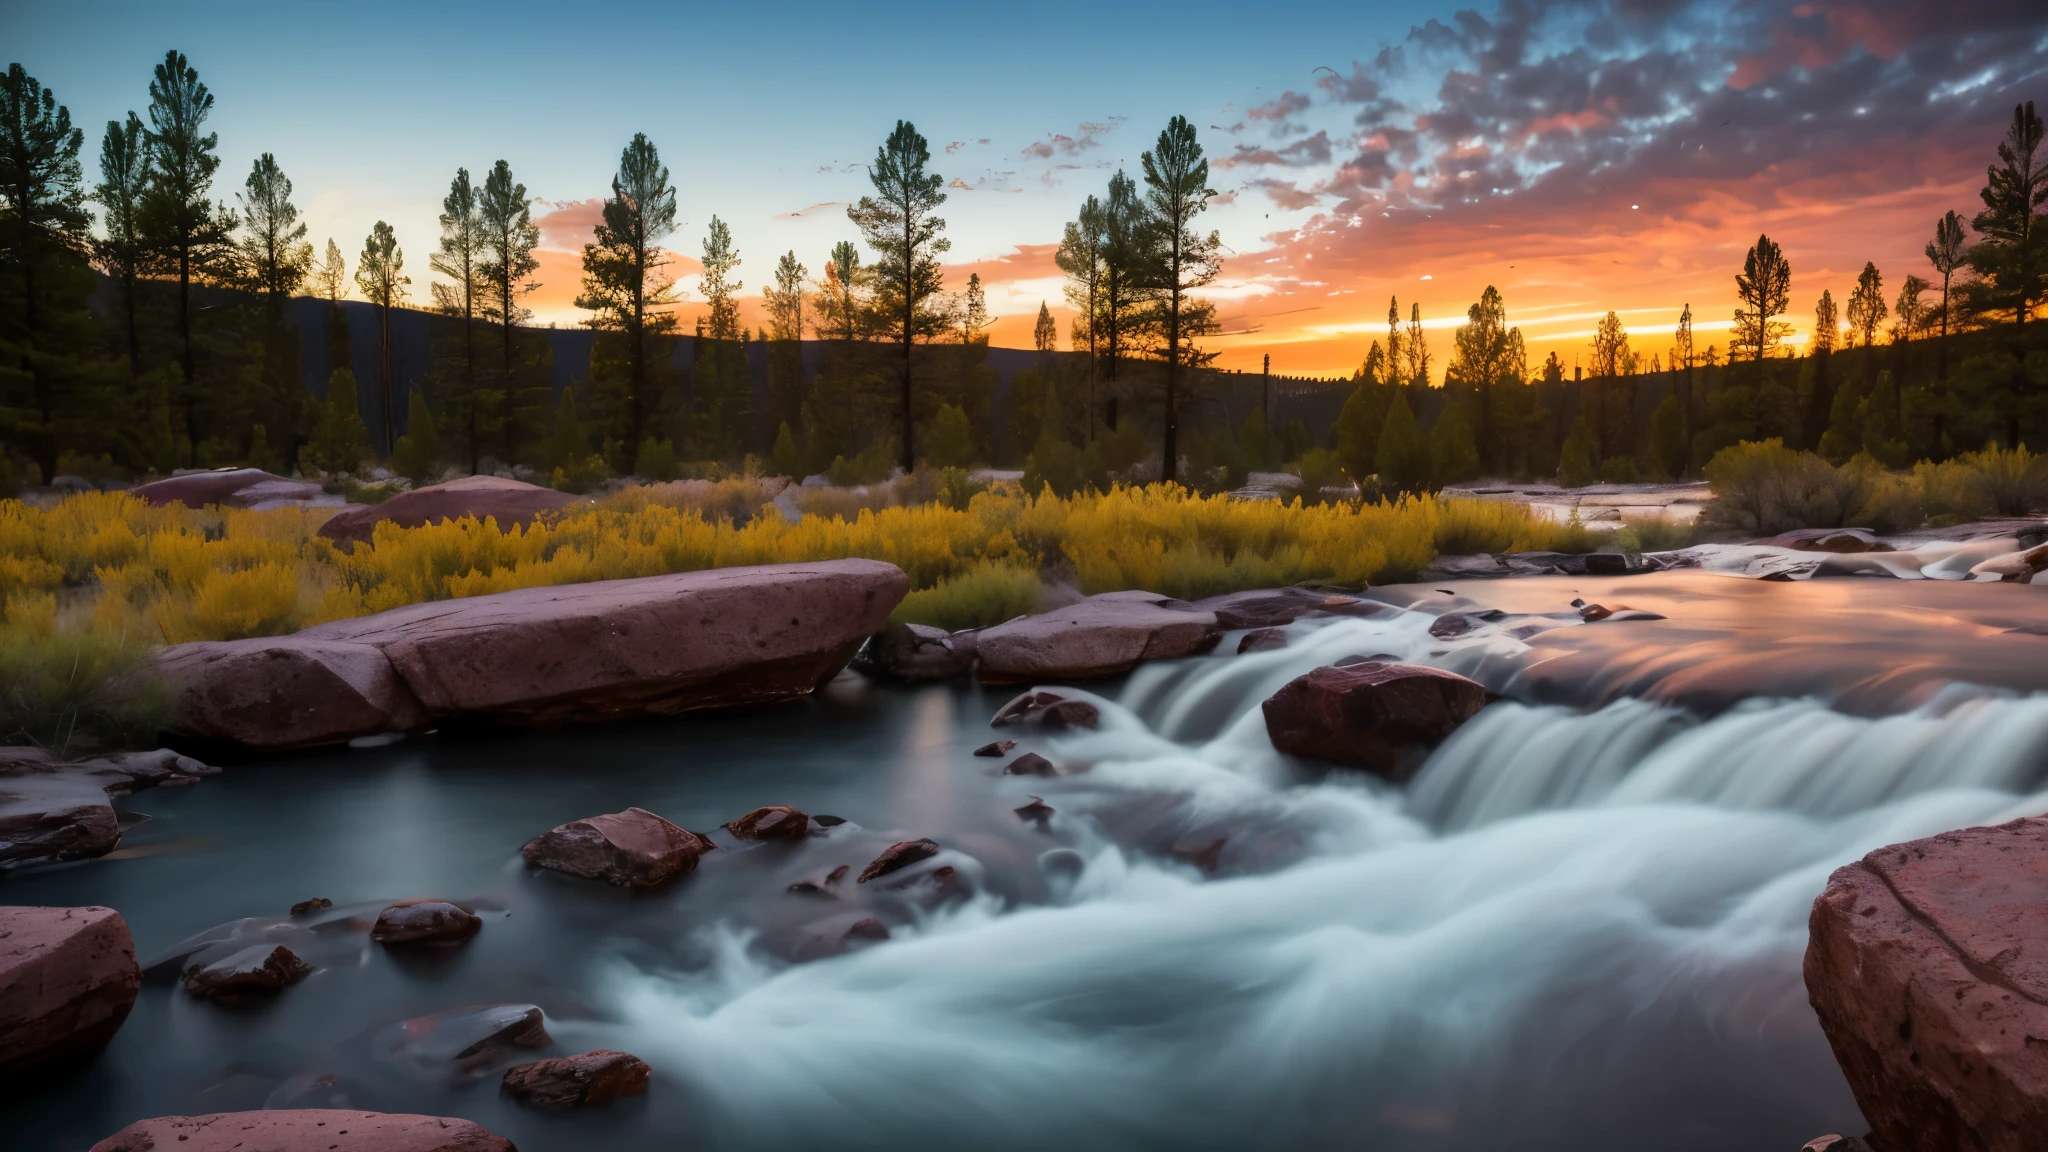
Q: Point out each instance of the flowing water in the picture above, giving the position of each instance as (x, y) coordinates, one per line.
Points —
(1579, 925)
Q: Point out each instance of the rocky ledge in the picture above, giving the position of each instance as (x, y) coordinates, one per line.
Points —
(574, 653)
(1106, 635)
(1927, 963)
(67, 980)
(52, 811)
(497, 498)
(304, 1130)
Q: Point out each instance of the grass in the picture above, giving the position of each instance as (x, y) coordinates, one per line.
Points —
(74, 690)
(169, 575)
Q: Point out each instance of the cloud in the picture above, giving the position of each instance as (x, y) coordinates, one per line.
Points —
(1284, 194)
(1289, 103)
(1305, 152)
(818, 207)
(962, 185)
(569, 224)
(1087, 136)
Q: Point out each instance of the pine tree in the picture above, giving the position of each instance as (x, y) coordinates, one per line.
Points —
(950, 442)
(1415, 345)
(1402, 455)
(1452, 455)
(272, 256)
(1484, 360)
(330, 283)
(418, 451)
(784, 302)
(2011, 259)
(1613, 395)
(1045, 335)
(899, 222)
(340, 441)
(509, 238)
(1817, 391)
(1762, 291)
(1397, 356)
(124, 178)
(180, 224)
(1359, 425)
(1080, 256)
(460, 258)
(1682, 364)
(1177, 190)
(723, 381)
(1866, 305)
(44, 227)
(624, 284)
(380, 278)
(1947, 253)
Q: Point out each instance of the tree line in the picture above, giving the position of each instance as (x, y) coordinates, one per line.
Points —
(156, 336)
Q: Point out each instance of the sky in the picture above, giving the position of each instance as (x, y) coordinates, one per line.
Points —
(1579, 155)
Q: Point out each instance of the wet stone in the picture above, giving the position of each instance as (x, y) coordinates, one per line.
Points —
(596, 1077)
(996, 748)
(425, 922)
(897, 857)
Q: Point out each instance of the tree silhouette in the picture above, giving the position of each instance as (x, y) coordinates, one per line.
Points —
(1947, 253)
(124, 178)
(1485, 351)
(1045, 335)
(509, 238)
(1762, 291)
(1866, 304)
(1177, 190)
(273, 256)
(623, 281)
(381, 279)
(2010, 260)
(460, 257)
(45, 214)
(901, 224)
(1080, 256)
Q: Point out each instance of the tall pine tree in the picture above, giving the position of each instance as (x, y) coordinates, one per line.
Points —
(900, 223)
(624, 285)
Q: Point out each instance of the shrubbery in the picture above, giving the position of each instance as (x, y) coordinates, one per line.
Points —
(1765, 487)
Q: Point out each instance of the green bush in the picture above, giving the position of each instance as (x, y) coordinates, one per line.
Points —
(987, 595)
(78, 692)
(2012, 481)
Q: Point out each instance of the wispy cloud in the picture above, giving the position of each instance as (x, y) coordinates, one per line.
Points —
(1087, 136)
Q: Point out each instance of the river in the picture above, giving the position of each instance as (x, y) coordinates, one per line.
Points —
(1578, 926)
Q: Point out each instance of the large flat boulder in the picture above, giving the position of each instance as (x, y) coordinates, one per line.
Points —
(1106, 635)
(276, 692)
(234, 487)
(67, 980)
(53, 811)
(573, 653)
(1371, 715)
(1927, 963)
(497, 498)
(304, 1130)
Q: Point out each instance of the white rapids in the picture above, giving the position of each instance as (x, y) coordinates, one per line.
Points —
(1569, 930)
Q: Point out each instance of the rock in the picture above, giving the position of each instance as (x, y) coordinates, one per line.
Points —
(1452, 624)
(461, 1045)
(832, 936)
(1479, 566)
(1036, 812)
(1100, 636)
(916, 652)
(425, 921)
(67, 980)
(308, 907)
(1371, 716)
(775, 822)
(1927, 963)
(821, 887)
(1591, 613)
(2015, 567)
(221, 941)
(234, 487)
(1047, 709)
(1606, 563)
(258, 970)
(304, 1130)
(824, 821)
(575, 653)
(1544, 564)
(596, 1077)
(286, 691)
(1030, 764)
(1841, 541)
(630, 849)
(1264, 608)
(507, 501)
(1262, 640)
(897, 856)
(996, 748)
(48, 815)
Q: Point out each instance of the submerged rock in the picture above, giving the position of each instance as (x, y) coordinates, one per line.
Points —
(775, 822)
(832, 936)
(1037, 812)
(461, 1045)
(916, 652)
(630, 849)
(67, 980)
(575, 653)
(1030, 764)
(254, 971)
(308, 907)
(1263, 608)
(1100, 636)
(304, 1130)
(1372, 715)
(596, 1077)
(507, 501)
(897, 856)
(1047, 709)
(425, 921)
(1926, 964)
(996, 748)
(1262, 640)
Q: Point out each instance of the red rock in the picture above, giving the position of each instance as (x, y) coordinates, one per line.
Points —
(1927, 963)
(1030, 764)
(1100, 636)
(1370, 716)
(235, 487)
(506, 501)
(286, 691)
(1264, 608)
(596, 1077)
(1262, 640)
(256, 970)
(996, 748)
(1592, 613)
(67, 980)
(896, 856)
(304, 1130)
(868, 929)
(576, 653)
(1049, 709)
(308, 907)
(425, 921)
(1841, 541)
(630, 849)
(917, 652)
(1036, 812)
(775, 822)
(48, 815)
(461, 1045)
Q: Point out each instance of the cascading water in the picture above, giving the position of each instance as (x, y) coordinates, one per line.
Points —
(1570, 930)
